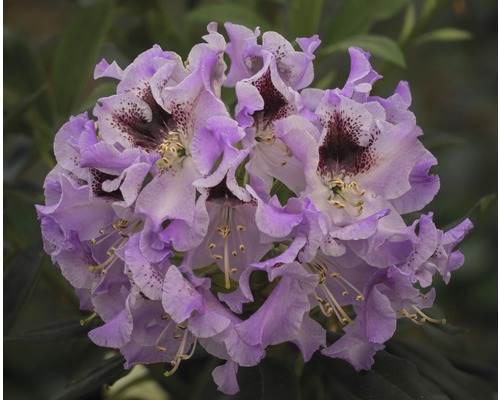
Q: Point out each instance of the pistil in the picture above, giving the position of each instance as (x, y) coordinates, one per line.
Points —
(180, 354)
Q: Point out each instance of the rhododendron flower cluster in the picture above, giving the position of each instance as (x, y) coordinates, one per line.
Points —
(182, 222)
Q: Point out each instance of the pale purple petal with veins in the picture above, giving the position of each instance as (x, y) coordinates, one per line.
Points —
(225, 377)
(280, 317)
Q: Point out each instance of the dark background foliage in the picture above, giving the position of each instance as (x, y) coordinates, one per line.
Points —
(446, 49)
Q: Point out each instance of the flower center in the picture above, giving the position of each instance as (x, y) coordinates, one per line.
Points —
(265, 135)
(346, 196)
(172, 150)
(230, 241)
(273, 150)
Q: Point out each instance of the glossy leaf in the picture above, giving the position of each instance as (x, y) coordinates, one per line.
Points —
(357, 16)
(76, 54)
(105, 374)
(227, 11)
(270, 380)
(391, 378)
(444, 35)
(452, 382)
(19, 279)
(379, 46)
(304, 17)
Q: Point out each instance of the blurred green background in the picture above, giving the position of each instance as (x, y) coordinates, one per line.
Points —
(446, 49)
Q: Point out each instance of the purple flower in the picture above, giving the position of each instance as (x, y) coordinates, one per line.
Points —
(167, 215)
(233, 240)
(284, 314)
(267, 78)
(248, 57)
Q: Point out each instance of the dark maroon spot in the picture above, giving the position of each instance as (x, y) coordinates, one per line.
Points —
(277, 265)
(341, 151)
(221, 192)
(131, 121)
(97, 180)
(274, 102)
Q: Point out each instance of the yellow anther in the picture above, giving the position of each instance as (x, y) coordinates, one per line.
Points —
(225, 231)
(160, 348)
(336, 203)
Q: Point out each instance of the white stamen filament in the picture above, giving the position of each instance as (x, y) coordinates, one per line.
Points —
(425, 317)
(162, 334)
(336, 306)
(180, 355)
(226, 263)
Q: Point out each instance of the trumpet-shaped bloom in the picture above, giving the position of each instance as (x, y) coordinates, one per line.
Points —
(180, 225)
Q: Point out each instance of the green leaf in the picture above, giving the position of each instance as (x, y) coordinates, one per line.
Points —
(304, 17)
(476, 210)
(18, 155)
(105, 374)
(483, 204)
(23, 72)
(19, 280)
(55, 331)
(454, 383)
(444, 35)
(282, 191)
(391, 378)
(380, 46)
(428, 8)
(357, 17)
(227, 11)
(408, 23)
(76, 54)
(270, 380)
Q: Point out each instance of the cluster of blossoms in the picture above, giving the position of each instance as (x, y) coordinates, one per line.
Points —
(163, 209)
